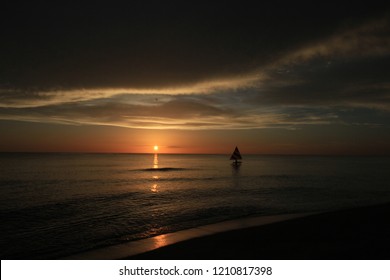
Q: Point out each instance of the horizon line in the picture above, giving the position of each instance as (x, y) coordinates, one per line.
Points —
(151, 153)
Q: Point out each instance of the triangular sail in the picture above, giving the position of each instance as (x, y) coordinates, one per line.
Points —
(236, 155)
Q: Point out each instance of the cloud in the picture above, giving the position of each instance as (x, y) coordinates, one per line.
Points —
(368, 39)
(338, 77)
(18, 98)
(214, 111)
(349, 68)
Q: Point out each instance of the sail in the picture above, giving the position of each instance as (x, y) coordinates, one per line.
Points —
(236, 155)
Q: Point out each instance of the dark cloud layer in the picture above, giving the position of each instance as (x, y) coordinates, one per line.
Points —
(190, 65)
(146, 44)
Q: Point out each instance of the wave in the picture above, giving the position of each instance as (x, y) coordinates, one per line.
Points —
(162, 169)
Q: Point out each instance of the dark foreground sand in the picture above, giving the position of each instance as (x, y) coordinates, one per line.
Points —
(361, 233)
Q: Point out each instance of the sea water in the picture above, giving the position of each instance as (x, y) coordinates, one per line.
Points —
(56, 205)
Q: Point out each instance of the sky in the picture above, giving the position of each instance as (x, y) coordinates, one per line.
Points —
(195, 77)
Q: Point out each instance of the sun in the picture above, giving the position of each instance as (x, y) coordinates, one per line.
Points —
(155, 148)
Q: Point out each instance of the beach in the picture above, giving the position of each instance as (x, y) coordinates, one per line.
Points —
(361, 233)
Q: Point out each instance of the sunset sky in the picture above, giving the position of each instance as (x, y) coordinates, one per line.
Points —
(195, 78)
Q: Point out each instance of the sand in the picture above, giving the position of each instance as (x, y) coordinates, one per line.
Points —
(355, 234)
(137, 247)
(362, 233)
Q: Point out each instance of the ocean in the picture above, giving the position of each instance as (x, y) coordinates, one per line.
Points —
(56, 205)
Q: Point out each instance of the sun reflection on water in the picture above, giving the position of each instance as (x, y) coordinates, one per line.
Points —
(154, 188)
(160, 241)
(155, 161)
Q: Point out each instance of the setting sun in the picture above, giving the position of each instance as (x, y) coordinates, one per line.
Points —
(155, 148)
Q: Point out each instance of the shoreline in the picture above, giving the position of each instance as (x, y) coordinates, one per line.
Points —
(354, 233)
(361, 233)
(138, 247)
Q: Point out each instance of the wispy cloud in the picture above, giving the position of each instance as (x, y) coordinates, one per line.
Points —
(368, 39)
(17, 98)
(184, 112)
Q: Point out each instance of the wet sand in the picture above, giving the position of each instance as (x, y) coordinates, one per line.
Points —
(137, 247)
(361, 233)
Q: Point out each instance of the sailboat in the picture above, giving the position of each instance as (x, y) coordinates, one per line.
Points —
(236, 156)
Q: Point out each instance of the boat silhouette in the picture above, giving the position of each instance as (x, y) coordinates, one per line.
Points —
(236, 156)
